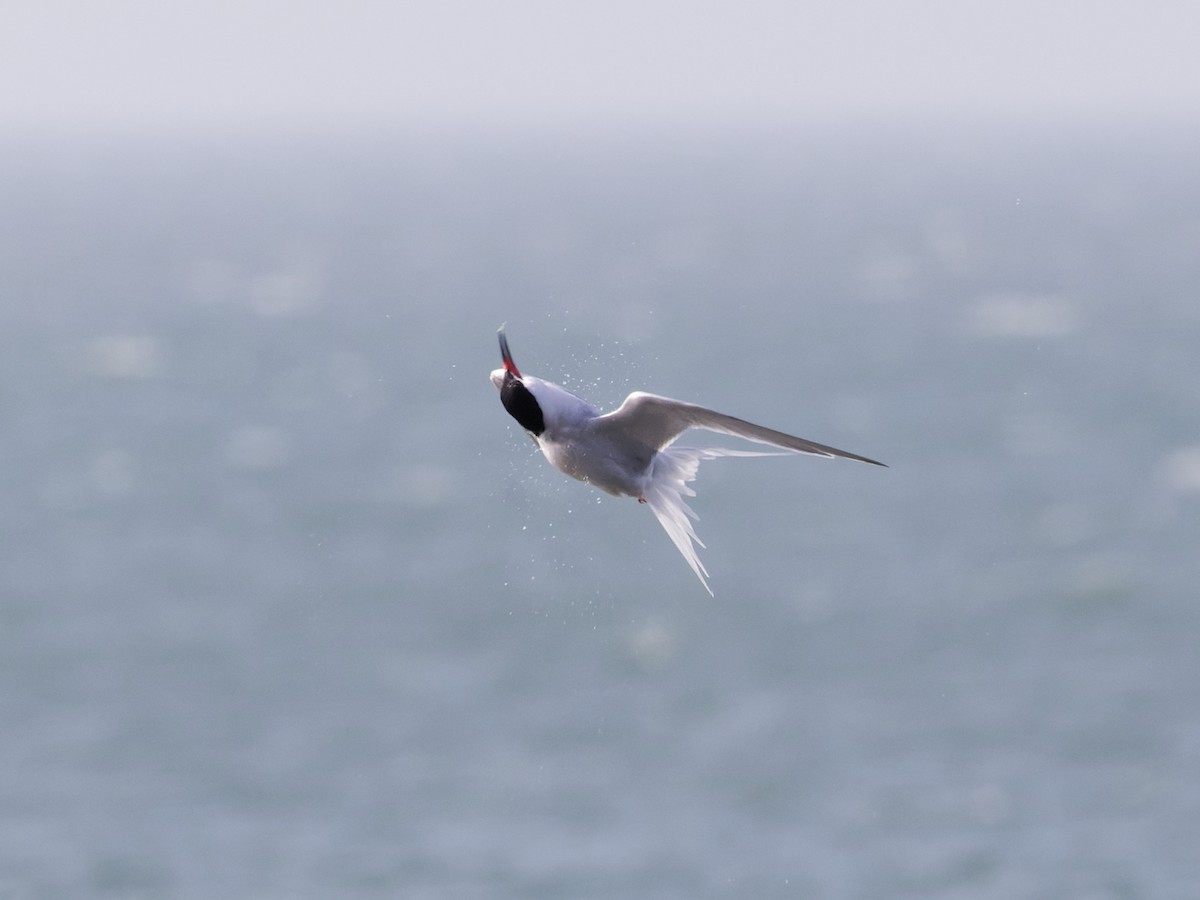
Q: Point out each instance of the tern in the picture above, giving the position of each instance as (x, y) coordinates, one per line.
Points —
(631, 451)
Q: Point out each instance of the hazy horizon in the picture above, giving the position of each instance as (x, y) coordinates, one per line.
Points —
(136, 68)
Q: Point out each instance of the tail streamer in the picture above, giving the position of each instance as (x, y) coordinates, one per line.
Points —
(673, 468)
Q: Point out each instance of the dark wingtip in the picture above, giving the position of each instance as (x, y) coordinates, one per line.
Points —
(854, 456)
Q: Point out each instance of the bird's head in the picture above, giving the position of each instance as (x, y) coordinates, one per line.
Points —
(515, 394)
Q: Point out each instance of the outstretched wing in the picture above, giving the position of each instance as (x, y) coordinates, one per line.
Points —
(657, 421)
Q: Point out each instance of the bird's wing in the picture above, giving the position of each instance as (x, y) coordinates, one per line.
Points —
(657, 421)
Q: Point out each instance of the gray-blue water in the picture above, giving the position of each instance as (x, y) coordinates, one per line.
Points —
(291, 609)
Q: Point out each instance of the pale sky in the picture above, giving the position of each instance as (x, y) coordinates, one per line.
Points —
(132, 65)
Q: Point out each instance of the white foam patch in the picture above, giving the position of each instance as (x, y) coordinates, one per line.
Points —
(1034, 434)
(425, 485)
(652, 644)
(257, 447)
(293, 288)
(888, 272)
(1181, 470)
(126, 356)
(1022, 315)
(284, 293)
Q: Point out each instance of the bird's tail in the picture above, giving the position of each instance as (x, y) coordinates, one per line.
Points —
(672, 469)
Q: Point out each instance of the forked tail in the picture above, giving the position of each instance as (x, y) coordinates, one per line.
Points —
(672, 469)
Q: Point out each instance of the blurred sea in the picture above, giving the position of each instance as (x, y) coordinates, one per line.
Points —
(290, 608)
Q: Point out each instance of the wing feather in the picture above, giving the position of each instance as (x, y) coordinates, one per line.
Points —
(657, 421)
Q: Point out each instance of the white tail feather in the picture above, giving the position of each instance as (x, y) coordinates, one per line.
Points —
(672, 469)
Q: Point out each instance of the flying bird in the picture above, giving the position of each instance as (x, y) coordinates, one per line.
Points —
(631, 451)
